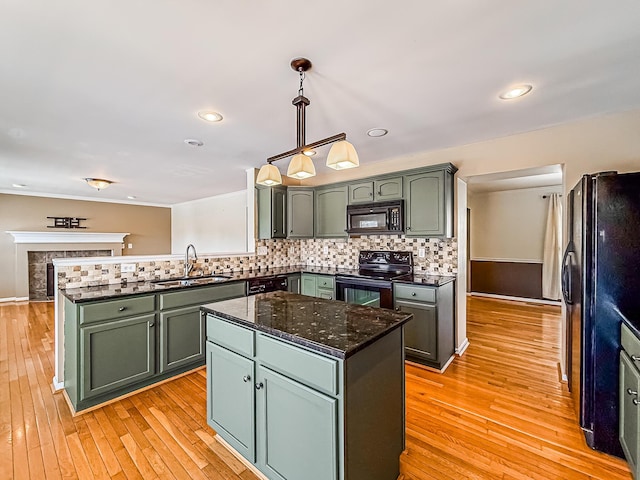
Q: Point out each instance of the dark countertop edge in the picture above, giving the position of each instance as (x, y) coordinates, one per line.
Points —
(303, 342)
(152, 288)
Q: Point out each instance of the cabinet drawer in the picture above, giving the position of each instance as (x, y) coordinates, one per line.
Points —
(631, 344)
(114, 309)
(411, 292)
(233, 337)
(306, 367)
(199, 296)
(325, 281)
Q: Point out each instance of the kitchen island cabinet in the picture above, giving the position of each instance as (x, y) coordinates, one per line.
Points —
(297, 385)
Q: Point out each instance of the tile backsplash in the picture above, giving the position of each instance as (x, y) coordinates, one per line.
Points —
(440, 258)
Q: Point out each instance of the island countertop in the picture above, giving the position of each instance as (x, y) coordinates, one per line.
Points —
(332, 327)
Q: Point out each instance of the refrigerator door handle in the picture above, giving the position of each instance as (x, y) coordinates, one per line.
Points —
(566, 276)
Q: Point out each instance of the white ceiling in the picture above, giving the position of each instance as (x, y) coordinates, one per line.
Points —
(111, 88)
(548, 176)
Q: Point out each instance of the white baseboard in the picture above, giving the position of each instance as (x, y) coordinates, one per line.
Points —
(517, 299)
(463, 347)
(14, 299)
(57, 386)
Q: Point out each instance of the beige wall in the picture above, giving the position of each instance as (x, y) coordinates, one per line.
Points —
(150, 227)
(509, 225)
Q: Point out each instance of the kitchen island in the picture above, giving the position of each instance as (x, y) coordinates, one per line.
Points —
(308, 388)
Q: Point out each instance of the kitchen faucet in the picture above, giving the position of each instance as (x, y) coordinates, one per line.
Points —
(188, 266)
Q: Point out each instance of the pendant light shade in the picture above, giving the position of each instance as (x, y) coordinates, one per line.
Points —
(342, 155)
(269, 175)
(301, 167)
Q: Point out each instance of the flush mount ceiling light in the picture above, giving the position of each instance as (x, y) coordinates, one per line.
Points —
(377, 132)
(209, 116)
(515, 92)
(131, 197)
(342, 154)
(18, 185)
(193, 142)
(98, 183)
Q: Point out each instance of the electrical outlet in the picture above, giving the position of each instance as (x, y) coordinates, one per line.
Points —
(325, 250)
(131, 245)
(127, 267)
(421, 253)
(262, 250)
(292, 251)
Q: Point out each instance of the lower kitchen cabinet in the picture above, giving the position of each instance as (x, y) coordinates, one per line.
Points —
(294, 283)
(429, 337)
(182, 338)
(116, 354)
(316, 285)
(629, 427)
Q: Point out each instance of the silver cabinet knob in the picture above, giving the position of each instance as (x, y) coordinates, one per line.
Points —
(259, 385)
(413, 294)
(631, 392)
(371, 194)
(122, 309)
(408, 228)
(151, 324)
(635, 401)
(635, 358)
(246, 378)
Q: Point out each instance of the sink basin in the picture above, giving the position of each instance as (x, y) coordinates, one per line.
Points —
(186, 281)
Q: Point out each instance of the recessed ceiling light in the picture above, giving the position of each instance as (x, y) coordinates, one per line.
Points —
(132, 197)
(18, 185)
(516, 92)
(309, 153)
(377, 132)
(210, 116)
(193, 142)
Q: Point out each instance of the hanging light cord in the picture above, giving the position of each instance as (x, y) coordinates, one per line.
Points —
(300, 88)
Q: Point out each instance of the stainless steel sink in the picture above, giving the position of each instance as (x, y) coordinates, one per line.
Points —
(186, 281)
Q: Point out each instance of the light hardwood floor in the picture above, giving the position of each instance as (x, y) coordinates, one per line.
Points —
(498, 412)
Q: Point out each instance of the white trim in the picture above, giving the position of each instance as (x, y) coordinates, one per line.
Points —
(509, 260)
(242, 460)
(14, 299)
(67, 237)
(57, 386)
(83, 199)
(462, 347)
(517, 299)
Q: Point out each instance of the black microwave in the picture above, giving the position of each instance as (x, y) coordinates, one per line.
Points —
(376, 218)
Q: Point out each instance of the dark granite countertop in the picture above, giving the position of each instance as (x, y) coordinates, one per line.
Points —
(105, 292)
(336, 328)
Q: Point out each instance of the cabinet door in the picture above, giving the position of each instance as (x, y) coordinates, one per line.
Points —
(309, 285)
(182, 338)
(361, 192)
(116, 353)
(293, 283)
(300, 213)
(279, 213)
(331, 212)
(420, 333)
(388, 189)
(297, 431)
(325, 293)
(425, 212)
(231, 398)
(629, 411)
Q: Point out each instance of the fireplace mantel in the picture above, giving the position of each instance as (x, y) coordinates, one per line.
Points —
(67, 237)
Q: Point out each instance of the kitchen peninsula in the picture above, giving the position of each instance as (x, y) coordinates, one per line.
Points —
(304, 387)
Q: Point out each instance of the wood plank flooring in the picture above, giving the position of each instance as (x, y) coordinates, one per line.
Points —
(498, 412)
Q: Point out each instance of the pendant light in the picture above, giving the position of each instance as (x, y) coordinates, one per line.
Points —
(342, 155)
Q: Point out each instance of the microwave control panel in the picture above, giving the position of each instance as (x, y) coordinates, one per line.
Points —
(395, 222)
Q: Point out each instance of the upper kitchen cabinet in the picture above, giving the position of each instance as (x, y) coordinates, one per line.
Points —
(272, 212)
(429, 202)
(300, 212)
(331, 211)
(376, 190)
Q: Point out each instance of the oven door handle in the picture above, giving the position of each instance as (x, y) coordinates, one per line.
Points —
(362, 282)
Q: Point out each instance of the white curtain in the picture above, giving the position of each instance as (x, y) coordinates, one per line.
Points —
(552, 256)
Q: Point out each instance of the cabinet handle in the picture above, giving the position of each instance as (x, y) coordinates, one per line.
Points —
(397, 309)
(246, 378)
(275, 230)
(151, 324)
(408, 228)
(371, 194)
(631, 392)
(122, 309)
(635, 401)
(259, 385)
(291, 231)
(413, 294)
(330, 297)
(635, 358)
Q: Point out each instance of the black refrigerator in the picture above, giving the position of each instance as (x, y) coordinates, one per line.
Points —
(601, 287)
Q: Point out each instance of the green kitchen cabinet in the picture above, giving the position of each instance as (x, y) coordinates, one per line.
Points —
(182, 338)
(231, 398)
(628, 398)
(317, 285)
(300, 212)
(272, 212)
(293, 283)
(298, 435)
(429, 336)
(330, 219)
(378, 190)
(429, 203)
(116, 354)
